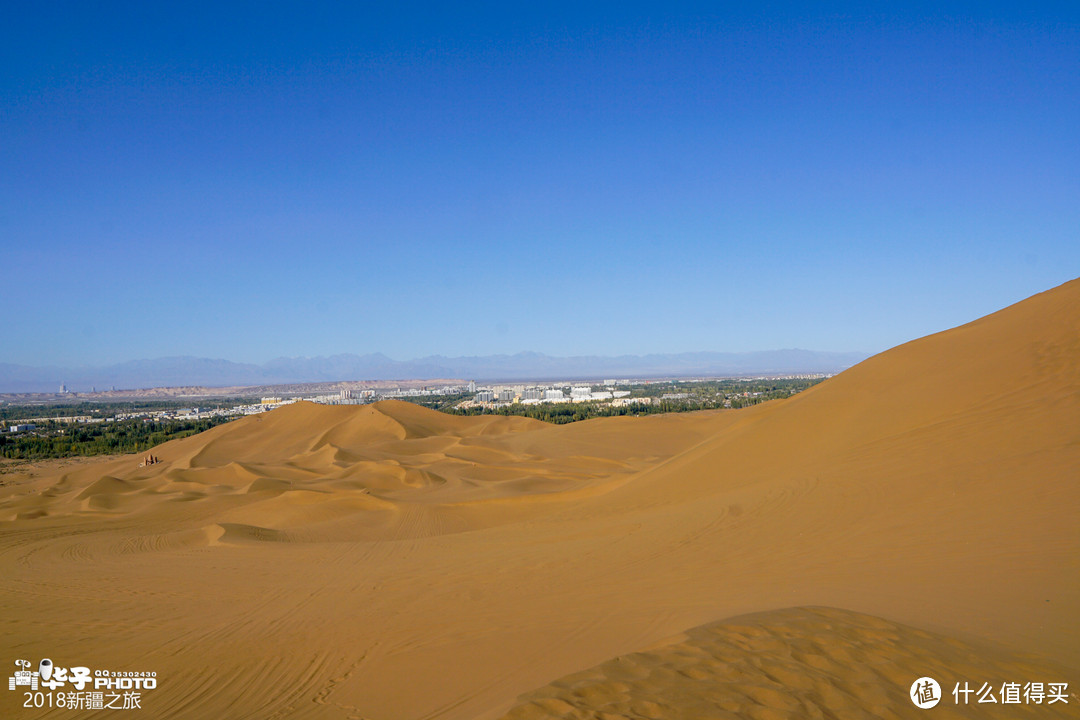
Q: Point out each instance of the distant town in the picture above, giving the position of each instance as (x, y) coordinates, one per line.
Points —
(64, 423)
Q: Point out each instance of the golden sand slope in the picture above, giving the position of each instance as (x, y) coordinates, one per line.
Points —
(388, 562)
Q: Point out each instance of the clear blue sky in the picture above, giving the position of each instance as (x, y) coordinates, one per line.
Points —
(248, 180)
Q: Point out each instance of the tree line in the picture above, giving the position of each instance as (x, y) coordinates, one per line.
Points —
(53, 439)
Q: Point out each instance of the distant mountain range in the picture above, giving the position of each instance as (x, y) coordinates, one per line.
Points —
(184, 371)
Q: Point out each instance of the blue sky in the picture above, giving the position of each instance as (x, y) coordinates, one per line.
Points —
(248, 180)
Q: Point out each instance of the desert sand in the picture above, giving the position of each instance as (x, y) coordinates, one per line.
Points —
(916, 515)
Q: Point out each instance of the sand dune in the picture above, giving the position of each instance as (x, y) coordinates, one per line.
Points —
(799, 662)
(915, 515)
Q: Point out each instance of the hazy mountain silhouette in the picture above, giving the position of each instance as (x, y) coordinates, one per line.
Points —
(186, 370)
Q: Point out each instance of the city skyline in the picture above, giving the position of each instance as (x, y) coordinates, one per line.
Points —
(249, 183)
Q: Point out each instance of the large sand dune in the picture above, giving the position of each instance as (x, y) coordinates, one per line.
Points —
(915, 515)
